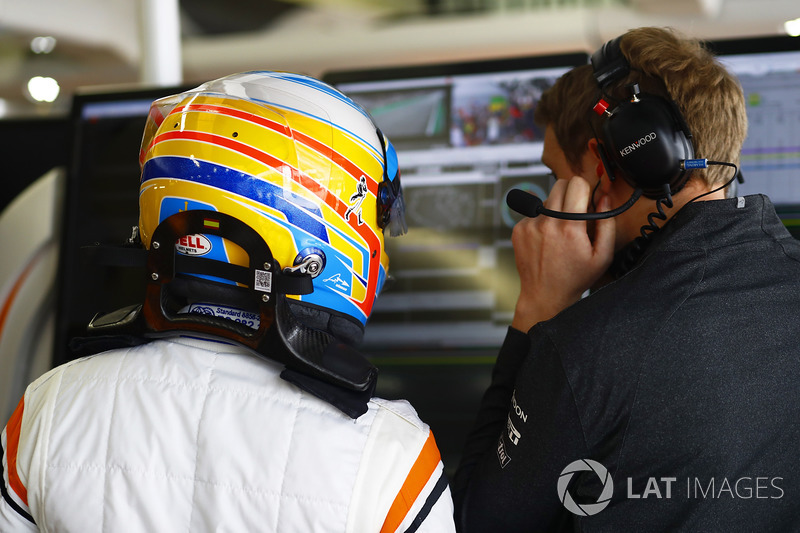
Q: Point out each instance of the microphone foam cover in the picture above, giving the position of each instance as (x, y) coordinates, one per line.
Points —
(524, 203)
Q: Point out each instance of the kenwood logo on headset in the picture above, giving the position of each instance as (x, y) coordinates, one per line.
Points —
(631, 147)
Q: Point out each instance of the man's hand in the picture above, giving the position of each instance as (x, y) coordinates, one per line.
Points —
(556, 259)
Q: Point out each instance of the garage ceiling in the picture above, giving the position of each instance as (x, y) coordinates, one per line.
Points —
(99, 41)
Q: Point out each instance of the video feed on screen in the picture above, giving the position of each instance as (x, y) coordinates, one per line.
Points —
(415, 117)
(491, 111)
(471, 139)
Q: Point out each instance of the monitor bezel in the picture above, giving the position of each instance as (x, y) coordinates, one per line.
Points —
(458, 68)
(753, 45)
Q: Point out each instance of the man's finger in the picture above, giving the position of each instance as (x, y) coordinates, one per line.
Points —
(555, 199)
(576, 197)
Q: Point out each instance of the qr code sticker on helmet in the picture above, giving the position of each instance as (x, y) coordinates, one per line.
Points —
(263, 281)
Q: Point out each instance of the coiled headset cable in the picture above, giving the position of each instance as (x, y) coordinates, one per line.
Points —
(630, 254)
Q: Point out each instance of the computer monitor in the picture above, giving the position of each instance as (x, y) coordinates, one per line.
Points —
(769, 71)
(465, 136)
(101, 206)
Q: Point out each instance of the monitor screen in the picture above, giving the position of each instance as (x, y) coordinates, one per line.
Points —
(769, 71)
(101, 206)
(465, 136)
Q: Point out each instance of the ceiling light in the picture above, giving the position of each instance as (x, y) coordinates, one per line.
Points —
(792, 27)
(43, 45)
(43, 89)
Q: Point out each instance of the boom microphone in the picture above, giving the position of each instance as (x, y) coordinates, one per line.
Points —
(529, 205)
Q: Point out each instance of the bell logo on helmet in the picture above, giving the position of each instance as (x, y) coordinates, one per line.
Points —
(193, 245)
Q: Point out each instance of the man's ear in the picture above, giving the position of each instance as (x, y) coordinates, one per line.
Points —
(596, 160)
(593, 150)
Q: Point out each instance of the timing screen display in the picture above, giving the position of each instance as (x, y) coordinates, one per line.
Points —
(771, 153)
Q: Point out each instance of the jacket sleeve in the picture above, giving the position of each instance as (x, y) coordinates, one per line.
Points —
(15, 515)
(424, 503)
(527, 431)
(491, 416)
(401, 485)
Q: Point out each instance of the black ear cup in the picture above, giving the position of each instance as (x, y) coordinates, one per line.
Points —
(644, 139)
(645, 144)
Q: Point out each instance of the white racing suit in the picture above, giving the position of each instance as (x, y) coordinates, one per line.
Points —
(195, 435)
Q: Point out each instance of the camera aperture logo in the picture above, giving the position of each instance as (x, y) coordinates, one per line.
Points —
(585, 509)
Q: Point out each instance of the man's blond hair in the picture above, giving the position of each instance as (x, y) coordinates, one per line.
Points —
(667, 64)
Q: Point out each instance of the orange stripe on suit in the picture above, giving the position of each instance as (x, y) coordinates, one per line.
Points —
(417, 478)
(12, 444)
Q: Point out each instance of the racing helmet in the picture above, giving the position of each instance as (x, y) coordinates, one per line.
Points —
(295, 161)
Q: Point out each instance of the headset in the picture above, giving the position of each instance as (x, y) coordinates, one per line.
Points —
(644, 139)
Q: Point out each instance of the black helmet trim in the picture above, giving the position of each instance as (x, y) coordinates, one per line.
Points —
(391, 206)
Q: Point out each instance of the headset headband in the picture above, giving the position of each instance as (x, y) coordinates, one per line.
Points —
(609, 64)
